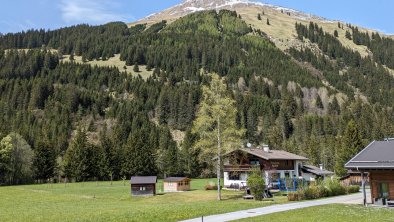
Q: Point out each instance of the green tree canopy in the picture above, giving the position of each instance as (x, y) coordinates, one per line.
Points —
(215, 124)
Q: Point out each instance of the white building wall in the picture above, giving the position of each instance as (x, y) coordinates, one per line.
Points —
(241, 182)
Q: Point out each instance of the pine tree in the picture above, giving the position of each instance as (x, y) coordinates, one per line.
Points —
(136, 68)
(348, 35)
(352, 143)
(138, 158)
(334, 108)
(268, 22)
(336, 33)
(215, 124)
(44, 160)
(259, 16)
(319, 103)
(76, 157)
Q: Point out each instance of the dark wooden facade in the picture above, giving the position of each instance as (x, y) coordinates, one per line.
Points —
(143, 189)
(143, 185)
(245, 163)
(353, 179)
(382, 184)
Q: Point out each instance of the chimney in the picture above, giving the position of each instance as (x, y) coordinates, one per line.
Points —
(321, 166)
(266, 148)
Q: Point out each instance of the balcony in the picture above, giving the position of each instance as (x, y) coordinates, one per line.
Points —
(239, 168)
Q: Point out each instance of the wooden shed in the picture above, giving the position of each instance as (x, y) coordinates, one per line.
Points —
(143, 185)
(176, 184)
(353, 178)
(377, 160)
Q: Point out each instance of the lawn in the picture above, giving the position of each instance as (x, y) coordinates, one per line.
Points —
(329, 213)
(103, 202)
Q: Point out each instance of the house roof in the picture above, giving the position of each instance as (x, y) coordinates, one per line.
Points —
(175, 179)
(316, 170)
(377, 155)
(273, 154)
(143, 180)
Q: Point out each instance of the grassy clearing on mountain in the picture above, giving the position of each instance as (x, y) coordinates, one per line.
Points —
(329, 213)
(113, 61)
(100, 201)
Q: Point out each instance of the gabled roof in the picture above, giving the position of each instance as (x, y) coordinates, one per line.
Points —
(316, 170)
(143, 180)
(175, 179)
(377, 155)
(272, 154)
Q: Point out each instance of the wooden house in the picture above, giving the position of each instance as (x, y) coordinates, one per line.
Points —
(312, 173)
(176, 184)
(282, 170)
(376, 160)
(143, 185)
(353, 178)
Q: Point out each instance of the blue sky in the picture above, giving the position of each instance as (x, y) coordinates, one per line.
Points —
(17, 15)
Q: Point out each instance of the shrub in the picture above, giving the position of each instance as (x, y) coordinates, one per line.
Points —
(335, 188)
(296, 196)
(320, 189)
(256, 184)
(352, 189)
(211, 187)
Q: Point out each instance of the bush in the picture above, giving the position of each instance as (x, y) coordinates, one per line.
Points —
(320, 189)
(211, 187)
(352, 189)
(335, 188)
(256, 184)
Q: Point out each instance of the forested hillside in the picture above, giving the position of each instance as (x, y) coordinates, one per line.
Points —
(85, 122)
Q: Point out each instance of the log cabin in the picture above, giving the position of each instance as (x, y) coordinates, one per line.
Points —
(376, 160)
(143, 185)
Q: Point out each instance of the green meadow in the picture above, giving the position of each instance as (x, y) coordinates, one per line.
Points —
(329, 213)
(92, 201)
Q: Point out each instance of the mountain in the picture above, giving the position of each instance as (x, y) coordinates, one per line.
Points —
(115, 100)
(281, 30)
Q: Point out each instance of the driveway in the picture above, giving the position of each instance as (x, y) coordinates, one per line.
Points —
(348, 199)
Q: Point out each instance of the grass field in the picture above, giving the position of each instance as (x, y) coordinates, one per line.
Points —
(329, 213)
(103, 202)
(114, 62)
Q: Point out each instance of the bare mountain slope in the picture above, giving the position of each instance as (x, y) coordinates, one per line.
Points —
(282, 20)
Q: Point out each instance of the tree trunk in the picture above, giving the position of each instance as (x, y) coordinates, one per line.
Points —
(219, 160)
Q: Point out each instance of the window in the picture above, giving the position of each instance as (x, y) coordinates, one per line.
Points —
(254, 162)
(142, 188)
(233, 176)
(383, 190)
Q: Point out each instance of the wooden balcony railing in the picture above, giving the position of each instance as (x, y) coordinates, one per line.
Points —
(239, 168)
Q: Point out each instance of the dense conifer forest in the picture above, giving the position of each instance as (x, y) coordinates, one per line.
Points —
(86, 122)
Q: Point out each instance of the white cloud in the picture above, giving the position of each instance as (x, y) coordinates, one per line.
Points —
(91, 11)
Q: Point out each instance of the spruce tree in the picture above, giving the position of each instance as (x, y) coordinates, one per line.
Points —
(76, 157)
(319, 103)
(352, 143)
(268, 21)
(44, 160)
(336, 33)
(259, 16)
(136, 68)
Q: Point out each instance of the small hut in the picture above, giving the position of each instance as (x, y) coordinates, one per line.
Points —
(143, 185)
(176, 184)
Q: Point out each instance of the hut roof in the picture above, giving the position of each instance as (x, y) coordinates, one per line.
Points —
(377, 155)
(143, 180)
(175, 179)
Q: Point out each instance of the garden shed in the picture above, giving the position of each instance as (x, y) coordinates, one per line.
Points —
(143, 185)
(176, 184)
